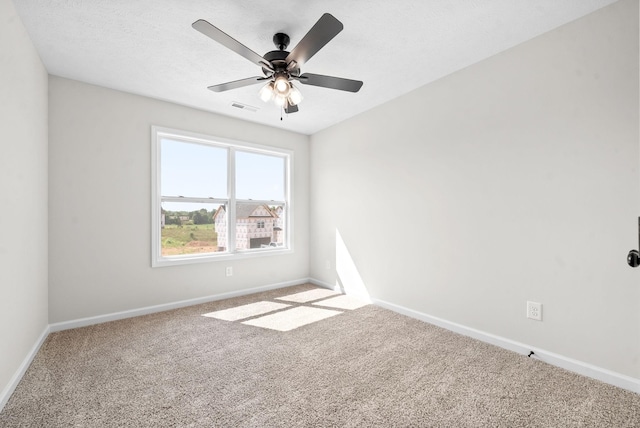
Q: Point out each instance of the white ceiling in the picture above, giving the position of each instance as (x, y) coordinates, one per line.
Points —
(148, 47)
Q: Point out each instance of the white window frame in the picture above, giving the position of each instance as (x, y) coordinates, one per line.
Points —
(157, 260)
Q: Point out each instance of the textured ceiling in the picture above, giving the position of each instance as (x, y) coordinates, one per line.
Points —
(148, 47)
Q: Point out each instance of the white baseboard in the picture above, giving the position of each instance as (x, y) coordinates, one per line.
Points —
(323, 284)
(580, 367)
(84, 322)
(17, 377)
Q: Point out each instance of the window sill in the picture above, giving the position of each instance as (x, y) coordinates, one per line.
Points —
(209, 258)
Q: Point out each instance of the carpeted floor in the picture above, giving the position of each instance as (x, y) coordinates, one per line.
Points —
(362, 367)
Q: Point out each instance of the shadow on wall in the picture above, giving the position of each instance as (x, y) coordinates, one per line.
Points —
(348, 278)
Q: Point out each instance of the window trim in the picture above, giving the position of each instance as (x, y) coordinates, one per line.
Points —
(157, 260)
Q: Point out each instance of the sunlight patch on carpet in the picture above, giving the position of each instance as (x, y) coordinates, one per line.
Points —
(343, 302)
(291, 318)
(246, 311)
(308, 296)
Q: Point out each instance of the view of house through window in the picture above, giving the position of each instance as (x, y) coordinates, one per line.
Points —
(217, 197)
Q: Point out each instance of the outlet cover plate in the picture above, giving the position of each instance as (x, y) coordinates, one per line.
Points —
(534, 311)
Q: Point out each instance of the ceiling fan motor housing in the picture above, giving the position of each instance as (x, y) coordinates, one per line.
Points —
(278, 59)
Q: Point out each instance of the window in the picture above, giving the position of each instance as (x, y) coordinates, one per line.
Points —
(215, 198)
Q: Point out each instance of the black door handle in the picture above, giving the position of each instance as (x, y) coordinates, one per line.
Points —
(633, 258)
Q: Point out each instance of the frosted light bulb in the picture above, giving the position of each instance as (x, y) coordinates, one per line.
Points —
(266, 93)
(282, 86)
(295, 96)
(279, 100)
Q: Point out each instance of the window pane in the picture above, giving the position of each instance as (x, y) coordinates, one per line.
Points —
(259, 226)
(259, 177)
(193, 170)
(190, 228)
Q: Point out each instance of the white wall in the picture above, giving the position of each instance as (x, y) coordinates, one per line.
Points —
(100, 204)
(23, 200)
(515, 179)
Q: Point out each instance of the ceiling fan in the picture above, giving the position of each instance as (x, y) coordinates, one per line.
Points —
(280, 67)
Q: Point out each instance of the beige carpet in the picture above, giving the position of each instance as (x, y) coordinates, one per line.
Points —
(362, 367)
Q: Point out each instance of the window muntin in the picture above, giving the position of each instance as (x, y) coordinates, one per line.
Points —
(198, 215)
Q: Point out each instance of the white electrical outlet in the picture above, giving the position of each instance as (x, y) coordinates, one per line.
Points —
(327, 264)
(229, 271)
(534, 311)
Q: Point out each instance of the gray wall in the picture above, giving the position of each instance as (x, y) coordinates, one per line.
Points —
(100, 204)
(515, 179)
(23, 190)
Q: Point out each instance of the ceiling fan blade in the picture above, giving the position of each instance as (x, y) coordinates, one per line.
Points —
(291, 109)
(226, 40)
(330, 82)
(237, 84)
(320, 34)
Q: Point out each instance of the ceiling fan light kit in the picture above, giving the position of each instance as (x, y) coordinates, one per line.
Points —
(280, 67)
(266, 93)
